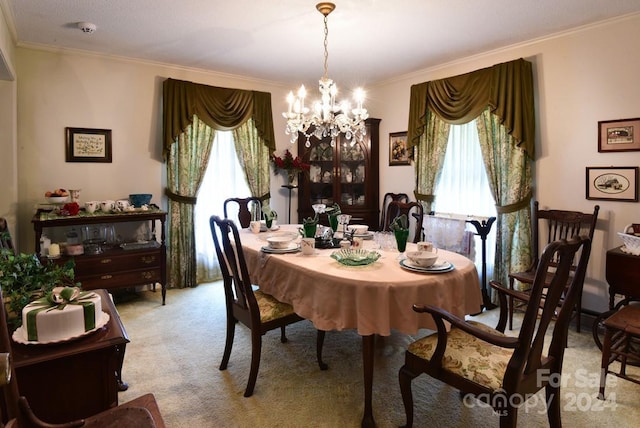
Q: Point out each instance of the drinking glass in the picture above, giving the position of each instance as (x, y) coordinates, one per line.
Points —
(344, 220)
(401, 240)
(333, 222)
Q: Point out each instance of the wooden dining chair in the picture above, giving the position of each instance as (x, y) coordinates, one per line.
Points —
(142, 412)
(549, 226)
(258, 311)
(414, 212)
(247, 208)
(484, 363)
(388, 197)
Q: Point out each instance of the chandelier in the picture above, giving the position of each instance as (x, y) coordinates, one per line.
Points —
(327, 118)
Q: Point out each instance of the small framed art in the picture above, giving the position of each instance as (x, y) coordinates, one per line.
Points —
(398, 151)
(619, 135)
(88, 145)
(613, 183)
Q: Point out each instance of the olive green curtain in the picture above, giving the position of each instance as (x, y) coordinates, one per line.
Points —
(221, 108)
(507, 89)
(188, 106)
(501, 97)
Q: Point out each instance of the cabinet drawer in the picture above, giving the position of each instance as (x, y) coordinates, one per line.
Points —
(110, 262)
(120, 279)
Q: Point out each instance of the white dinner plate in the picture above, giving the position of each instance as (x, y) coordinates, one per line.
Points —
(441, 267)
(20, 335)
(291, 248)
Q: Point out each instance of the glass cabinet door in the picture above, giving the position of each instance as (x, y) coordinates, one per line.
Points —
(321, 173)
(352, 174)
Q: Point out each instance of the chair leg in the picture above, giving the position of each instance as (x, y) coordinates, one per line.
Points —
(256, 349)
(510, 305)
(509, 419)
(553, 403)
(606, 360)
(283, 336)
(406, 376)
(231, 330)
(319, 345)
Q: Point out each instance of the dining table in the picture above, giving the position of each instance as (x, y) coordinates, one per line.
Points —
(373, 299)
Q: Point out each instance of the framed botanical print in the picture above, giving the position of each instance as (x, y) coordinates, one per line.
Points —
(398, 151)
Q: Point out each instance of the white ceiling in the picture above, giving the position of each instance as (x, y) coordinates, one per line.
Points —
(282, 40)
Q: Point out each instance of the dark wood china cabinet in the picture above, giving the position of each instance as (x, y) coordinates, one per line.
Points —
(347, 174)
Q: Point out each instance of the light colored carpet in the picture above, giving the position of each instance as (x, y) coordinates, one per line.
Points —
(176, 349)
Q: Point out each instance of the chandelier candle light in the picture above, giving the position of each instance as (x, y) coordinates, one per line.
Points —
(328, 118)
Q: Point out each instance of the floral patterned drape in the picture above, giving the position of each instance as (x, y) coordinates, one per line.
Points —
(429, 159)
(254, 157)
(509, 171)
(186, 164)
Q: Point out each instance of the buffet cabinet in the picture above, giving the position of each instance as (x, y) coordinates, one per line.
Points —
(347, 174)
(128, 263)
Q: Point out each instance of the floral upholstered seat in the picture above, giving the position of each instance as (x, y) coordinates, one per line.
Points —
(271, 308)
(498, 369)
(468, 356)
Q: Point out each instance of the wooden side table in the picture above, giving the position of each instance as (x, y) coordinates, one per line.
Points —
(76, 379)
(623, 276)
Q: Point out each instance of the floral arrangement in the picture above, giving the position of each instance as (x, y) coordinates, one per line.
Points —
(293, 166)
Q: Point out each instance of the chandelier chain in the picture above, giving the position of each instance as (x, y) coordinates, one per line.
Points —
(326, 47)
(327, 117)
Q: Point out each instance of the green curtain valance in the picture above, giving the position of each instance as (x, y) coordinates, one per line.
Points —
(220, 108)
(506, 88)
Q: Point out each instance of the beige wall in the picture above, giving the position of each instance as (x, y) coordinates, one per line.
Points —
(58, 90)
(581, 77)
(8, 132)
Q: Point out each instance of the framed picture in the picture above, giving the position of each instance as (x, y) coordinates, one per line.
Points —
(398, 151)
(619, 135)
(88, 145)
(613, 183)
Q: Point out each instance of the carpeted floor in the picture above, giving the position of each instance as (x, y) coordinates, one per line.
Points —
(176, 349)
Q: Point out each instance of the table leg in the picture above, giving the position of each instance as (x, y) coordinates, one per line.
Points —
(122, 386)
(368, 345)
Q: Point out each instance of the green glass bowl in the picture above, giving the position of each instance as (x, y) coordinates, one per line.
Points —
(349, 257)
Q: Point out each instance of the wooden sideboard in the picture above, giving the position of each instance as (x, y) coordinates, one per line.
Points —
(76, 379)
(115, 267)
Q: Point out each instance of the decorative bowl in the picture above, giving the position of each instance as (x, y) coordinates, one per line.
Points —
(140, 199)
(358, 257)
(279, 242)
(359, 229)
(422, 258)
(57, 199)
(631, 243)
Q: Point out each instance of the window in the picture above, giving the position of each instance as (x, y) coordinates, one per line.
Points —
(463, 188)
(225, 168)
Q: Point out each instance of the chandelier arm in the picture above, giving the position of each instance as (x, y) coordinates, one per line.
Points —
(326, 118)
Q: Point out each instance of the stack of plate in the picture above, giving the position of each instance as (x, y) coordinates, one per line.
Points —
(439, 267)
(293, 247)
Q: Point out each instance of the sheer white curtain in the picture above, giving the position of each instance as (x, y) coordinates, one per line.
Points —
(463, 189)
(223, 179)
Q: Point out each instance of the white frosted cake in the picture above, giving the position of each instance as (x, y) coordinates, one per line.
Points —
(65, 314)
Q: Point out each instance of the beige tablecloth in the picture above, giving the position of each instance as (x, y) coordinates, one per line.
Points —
(372, 299)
